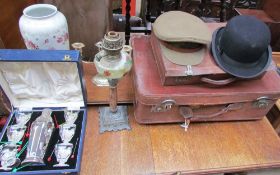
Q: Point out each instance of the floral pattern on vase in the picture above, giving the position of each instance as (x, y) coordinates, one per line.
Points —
(42, 26)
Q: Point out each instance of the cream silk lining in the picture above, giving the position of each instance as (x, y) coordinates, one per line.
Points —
(42, 84)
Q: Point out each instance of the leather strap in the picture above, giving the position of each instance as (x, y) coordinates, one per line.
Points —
(187, 111)
(218, 82)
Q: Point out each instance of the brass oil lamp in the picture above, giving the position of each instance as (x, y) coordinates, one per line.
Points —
(112, 62)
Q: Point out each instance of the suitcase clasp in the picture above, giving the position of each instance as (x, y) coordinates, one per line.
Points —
(262, 102)
(164, 106)
(189, 71)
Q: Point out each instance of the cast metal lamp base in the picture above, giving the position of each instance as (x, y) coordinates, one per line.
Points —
(113, 121)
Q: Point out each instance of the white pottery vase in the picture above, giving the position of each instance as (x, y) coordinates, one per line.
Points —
(42, 26)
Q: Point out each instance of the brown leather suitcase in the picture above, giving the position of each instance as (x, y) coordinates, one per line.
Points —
(154, 103)
(206, 72)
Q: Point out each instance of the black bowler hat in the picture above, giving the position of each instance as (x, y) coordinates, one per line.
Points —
(241, 48)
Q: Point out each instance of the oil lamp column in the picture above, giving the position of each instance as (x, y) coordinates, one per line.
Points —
(113, 61)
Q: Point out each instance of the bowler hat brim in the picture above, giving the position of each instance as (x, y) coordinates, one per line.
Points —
(235, 68)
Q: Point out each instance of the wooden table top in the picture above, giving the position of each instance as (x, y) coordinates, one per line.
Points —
(166, 149)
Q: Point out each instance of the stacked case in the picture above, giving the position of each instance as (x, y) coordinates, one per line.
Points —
(206, 72)
(164, 94)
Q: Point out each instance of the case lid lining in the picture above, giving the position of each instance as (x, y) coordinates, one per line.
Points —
(42, 84)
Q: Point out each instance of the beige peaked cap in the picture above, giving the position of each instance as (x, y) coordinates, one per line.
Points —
(181, 26)
(177, 26)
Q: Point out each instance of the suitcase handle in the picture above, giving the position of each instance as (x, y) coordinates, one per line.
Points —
(187, 111)
(218, 82)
